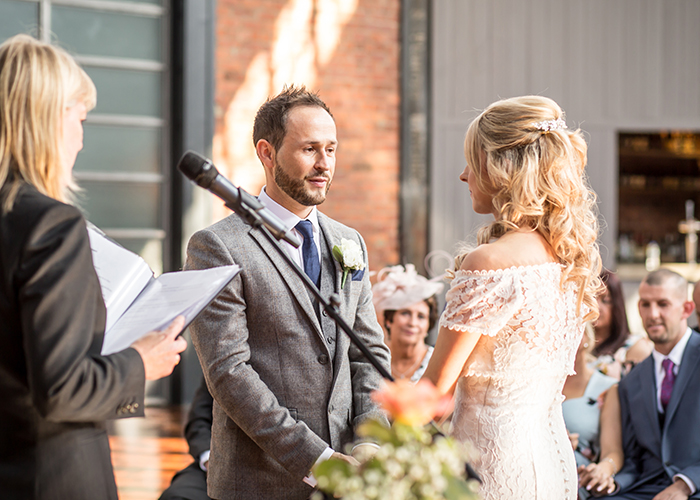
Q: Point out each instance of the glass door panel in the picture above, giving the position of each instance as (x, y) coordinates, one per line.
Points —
(18, 17)
(113, 148)
(110, 34)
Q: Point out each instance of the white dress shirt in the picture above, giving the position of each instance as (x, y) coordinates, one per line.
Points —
(675, 355)
(290, 220)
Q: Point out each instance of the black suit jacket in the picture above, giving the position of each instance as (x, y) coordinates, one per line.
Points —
(55, 387)
(199, 419)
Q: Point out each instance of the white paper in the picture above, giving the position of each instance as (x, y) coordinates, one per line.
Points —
(138, 303)
(122, 274)
(172, 294)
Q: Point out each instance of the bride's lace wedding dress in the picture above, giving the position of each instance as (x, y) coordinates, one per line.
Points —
(508, 398)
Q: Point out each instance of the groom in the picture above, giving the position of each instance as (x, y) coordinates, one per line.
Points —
(289, 387)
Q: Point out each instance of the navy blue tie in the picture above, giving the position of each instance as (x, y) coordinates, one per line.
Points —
(312, 263)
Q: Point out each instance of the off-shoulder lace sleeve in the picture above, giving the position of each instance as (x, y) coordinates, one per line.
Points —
(482, 303)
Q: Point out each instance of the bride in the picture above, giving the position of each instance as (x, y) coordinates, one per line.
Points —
(518, 302)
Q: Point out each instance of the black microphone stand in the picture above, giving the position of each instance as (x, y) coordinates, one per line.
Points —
(246, 207)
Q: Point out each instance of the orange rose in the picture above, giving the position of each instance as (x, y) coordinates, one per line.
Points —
(412, 404)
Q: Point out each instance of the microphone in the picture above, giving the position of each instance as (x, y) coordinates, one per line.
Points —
(202, 172)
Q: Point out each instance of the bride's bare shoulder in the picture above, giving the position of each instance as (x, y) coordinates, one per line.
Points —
(514, 249)
(482, 258)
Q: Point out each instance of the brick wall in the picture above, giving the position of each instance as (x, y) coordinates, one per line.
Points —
(348, 50)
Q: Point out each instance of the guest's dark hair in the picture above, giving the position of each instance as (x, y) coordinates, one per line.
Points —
(271, 120)
(432, 314)
(619, 329)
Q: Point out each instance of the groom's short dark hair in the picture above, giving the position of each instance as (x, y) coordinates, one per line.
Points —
(271, 120)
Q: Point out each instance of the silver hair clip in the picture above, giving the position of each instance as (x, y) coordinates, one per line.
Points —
(549, 125)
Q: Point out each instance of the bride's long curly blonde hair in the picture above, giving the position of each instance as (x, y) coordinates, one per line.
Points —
(533, 167)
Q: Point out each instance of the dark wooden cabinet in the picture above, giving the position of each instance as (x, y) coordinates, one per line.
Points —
(658, 172)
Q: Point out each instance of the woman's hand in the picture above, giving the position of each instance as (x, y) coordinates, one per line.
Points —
(597, 478)
(573, 437)
(160, 351)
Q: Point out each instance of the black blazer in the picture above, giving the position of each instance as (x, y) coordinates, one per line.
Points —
(55, 387)
(199, 419)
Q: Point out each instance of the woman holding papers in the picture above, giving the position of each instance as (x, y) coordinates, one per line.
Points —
(55, 387)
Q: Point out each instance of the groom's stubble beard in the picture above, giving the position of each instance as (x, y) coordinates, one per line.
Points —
(297, 190)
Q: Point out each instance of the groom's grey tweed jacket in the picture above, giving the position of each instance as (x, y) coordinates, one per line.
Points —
(286, 382)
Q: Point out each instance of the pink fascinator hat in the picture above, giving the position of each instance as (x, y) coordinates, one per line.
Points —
(398, 287)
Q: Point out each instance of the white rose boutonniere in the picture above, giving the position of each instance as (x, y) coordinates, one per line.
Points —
(349, 254)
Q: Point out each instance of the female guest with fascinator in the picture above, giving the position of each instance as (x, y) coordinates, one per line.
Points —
(405, 302)
(55, 386)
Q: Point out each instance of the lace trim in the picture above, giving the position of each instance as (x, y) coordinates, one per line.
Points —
(518, 269)
(523, 310)
(483, 304)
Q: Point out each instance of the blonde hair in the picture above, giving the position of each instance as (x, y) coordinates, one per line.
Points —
(38, 82)
(533, 167)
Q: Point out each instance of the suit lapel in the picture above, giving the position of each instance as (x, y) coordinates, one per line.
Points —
(687, 372)
(296, 287)
(331, 267)
(643, 395)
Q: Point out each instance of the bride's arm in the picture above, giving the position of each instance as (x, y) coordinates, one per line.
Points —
(452, 350)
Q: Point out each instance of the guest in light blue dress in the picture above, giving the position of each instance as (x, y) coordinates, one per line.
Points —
(581, 408)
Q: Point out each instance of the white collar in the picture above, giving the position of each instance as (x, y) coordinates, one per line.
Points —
(676, 354)
(289, 219)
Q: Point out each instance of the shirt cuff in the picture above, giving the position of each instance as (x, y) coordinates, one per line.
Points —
(203, 459)
(310, 479)
(687, 481)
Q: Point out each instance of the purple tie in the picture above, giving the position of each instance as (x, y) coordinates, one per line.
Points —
(667, 384)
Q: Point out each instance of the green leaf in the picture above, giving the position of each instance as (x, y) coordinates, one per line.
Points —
(326, 467)
(376, 430)
(459, 489)
(338, 254)
(327, 473)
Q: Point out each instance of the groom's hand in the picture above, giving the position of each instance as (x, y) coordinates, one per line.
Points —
(346, 458)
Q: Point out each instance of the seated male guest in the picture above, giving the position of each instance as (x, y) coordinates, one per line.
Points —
(191, 482)
(660, 399)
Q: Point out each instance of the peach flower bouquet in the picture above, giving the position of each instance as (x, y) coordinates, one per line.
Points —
(414, 460)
